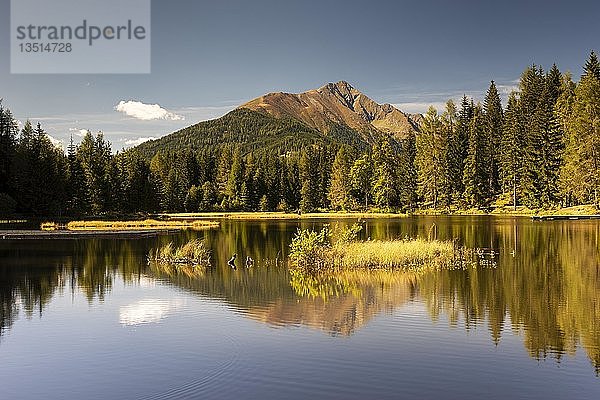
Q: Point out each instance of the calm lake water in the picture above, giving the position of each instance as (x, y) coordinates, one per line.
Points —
(89, 319)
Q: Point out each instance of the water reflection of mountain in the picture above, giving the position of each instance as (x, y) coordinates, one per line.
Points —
(546, 286)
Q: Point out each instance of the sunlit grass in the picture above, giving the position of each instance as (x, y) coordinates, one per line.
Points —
(324, 251)
(142, 224)
(407, 254)
(193, 252)
(284, 215)
(49, 226)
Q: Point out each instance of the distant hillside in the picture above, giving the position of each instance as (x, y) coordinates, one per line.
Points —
(251, 130)
(334, 114)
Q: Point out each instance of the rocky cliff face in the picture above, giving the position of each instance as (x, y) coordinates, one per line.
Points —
(336, 103)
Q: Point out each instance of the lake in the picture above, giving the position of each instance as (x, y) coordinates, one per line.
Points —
(89, 319)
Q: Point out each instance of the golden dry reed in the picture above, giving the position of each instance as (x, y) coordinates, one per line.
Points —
(139, 225)
(193, 252)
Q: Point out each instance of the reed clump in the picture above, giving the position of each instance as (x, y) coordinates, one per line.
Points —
(50, 226)
(193, 252)
(329, 251)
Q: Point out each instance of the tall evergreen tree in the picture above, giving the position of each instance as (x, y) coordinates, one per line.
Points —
(592, 66)
(95, 155)
(511, 149)
(586, 132)
(385, 179)
(8, 142)
(475, 175)
(431, 159)
(448, 132)
(223, 172)
(361, 178)
(40, 176)
(408, 173)
(534, 111)
(233, 189)
(494, 119)
(458, 145)
(552, 140)
(76, 193)
(339, 189)
(310, 181)
(570, 178)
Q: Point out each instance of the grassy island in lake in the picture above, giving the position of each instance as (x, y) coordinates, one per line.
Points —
(313, 251)
(130, 225)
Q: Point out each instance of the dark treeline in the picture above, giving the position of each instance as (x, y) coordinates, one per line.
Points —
(540, 151)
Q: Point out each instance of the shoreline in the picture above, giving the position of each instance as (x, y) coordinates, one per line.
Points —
(177, 221)
(65, 234)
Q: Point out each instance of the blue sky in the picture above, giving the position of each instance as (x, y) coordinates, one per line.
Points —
(210, 56)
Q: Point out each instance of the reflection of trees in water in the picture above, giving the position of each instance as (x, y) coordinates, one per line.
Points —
(29, 289)
(549, 291)
(34, 272)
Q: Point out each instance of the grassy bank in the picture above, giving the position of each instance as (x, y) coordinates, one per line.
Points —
(587, 209)
(280, 215)
(330, 250)
(130, 225)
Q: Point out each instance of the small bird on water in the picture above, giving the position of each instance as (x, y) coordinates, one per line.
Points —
(231, 261)
(249, 262)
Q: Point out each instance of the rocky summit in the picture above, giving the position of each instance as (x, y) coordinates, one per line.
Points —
(337, 104)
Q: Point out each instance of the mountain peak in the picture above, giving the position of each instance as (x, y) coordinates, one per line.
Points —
(336, 104)
(339, 85)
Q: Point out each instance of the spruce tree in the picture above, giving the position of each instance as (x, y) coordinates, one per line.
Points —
(40, 174)
(475, 174)
(159, 171)
(408, 173)
(569, 176)
(310, 181)
(458, 145)
(492, 108)
(448, 132)
(8, 142)
(534, 112)
(223, 172)
(592, 66)
(586, 129)
(431, 159)
(385, 179)
(361, 178)
(339, 189)
(235, 180)
(75, 182)
(552, 146)
(511, 149)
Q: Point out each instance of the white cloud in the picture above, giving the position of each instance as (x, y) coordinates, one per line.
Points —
(140, 140)
(146, 112)
(79, 132)
(56, 142)
(420, 107)
(505, 90)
